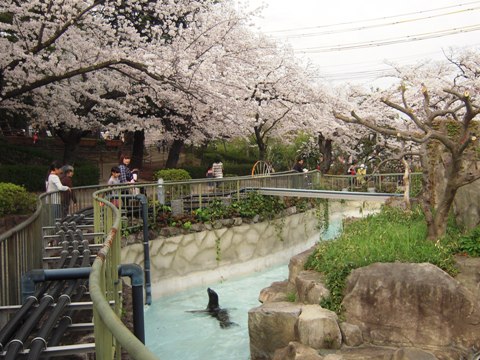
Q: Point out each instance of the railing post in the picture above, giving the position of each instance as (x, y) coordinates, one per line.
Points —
(160, 192)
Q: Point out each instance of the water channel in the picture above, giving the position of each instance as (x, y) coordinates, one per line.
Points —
(174, 333)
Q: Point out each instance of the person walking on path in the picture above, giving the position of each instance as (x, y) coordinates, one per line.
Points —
(67, 196)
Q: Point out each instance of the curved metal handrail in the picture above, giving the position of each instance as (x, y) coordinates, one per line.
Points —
(107, 320)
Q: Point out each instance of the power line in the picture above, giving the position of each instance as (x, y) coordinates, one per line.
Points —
(390, 41)
(368, 27)
(373, 19)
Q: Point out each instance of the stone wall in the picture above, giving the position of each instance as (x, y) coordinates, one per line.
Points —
(200, 258)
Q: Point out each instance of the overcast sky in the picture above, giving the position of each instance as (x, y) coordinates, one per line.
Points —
(344, 37)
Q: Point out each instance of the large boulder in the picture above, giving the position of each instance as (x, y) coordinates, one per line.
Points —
(278, 291)
(415, 305)
(466, 205)
(296, 351)
(297, 263)
(271, 326)
(310, 287)
(318, 328)
(351, 334)
(413, 354)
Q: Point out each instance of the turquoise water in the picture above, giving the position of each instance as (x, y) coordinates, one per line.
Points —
(173, 333)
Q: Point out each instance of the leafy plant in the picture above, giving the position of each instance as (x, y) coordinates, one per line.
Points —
(14, 199)
(470, 243)
(172, 175)
(291, 297)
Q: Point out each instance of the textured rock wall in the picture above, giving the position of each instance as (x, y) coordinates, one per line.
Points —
(224, 251)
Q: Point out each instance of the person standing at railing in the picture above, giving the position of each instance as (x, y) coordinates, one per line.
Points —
(210, 175)
(53, 185)
(217, 168)
(352, 172)
(299, 165)
(126, 175)
(114, 176)
(114, 180)
(67, 196)
(361, 172)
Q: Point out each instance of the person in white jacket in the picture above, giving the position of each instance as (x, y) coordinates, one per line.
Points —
(53, 186)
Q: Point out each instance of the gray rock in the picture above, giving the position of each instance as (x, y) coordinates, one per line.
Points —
(318, 328)
(310, 287)
(411, 305)
(198, 227)
(271, 326)
(296, 351)
(351, 334)
(297, 264)
(413, 354)
(277, 291)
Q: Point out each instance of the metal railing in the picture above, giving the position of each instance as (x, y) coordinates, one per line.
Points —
(21, 247)
(110, 333)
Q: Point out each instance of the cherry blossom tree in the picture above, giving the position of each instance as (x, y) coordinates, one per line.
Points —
(62, 62)
(432, 112)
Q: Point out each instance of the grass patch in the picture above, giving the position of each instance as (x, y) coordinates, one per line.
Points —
(390, 236)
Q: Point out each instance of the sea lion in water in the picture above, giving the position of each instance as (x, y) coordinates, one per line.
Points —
(213, 308)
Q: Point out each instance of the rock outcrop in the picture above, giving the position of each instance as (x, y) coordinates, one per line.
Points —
(411, 305)
(393, 311)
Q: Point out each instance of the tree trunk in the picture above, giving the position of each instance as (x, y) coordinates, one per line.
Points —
(71, 139)
(262, 147)
(325, 147)
(406, 184)
(174, 154)
(438, 227)
(137, 149)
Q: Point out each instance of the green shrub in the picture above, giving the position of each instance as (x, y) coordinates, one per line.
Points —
(15, 154)
(31, 177)
(238, 169)
(470, 243)
(86, 174)
(16, 200)
(266, 206)
(172, 175)
(196, 172)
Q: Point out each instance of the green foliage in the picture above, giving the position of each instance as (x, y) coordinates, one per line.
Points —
(196, 172)
(15, 154)
(390, 236)
(215, 210)
(470, 243)
(291, 297)
(32, 177)
(86, 174)
(238, 169)
(267, 207)
(16, 200)
(172, 175)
